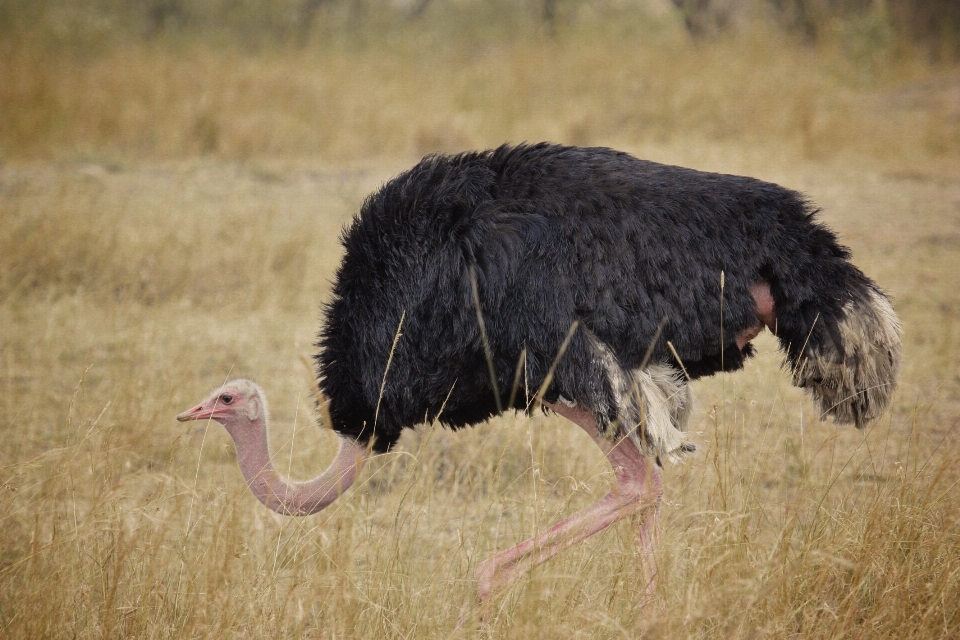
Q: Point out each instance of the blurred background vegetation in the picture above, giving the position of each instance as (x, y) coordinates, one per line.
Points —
(932, 25)
(353, 79)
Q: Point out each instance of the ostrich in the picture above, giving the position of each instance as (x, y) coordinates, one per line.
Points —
(582, 281)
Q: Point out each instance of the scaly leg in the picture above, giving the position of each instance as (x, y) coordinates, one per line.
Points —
(639, 486)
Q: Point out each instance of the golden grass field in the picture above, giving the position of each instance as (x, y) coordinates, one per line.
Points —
(169, 217)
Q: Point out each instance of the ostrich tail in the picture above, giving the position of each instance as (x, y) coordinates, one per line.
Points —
(854, 375)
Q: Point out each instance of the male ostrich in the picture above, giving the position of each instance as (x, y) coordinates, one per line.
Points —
(602, 284)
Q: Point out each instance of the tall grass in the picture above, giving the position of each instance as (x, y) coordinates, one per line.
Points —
(407, 88)
(129, 291)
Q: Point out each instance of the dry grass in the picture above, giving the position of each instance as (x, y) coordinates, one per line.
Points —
(411, 93)
(127, 294)
(134, 278)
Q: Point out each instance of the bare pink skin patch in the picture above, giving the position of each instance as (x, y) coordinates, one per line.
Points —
(241, 408)
(763, 307)
(638, 487)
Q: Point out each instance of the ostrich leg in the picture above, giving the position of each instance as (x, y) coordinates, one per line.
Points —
(639, 486)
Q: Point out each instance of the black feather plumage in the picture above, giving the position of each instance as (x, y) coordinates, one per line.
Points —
(630, 250)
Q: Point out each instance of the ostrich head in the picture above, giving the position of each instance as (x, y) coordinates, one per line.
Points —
(237, 403)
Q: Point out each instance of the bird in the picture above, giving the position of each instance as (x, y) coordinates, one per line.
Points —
(579, 281)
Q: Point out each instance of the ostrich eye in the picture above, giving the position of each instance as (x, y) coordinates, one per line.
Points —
(226, 398)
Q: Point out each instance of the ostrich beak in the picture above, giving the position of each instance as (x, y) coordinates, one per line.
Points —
(197, 413)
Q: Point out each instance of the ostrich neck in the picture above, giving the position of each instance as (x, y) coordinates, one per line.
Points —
(293, 498)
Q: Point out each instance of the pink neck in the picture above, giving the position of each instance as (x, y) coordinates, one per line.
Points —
(275, 491)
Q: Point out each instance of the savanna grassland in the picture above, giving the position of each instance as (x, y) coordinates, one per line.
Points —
(170, 204)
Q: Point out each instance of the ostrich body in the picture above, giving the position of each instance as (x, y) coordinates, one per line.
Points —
(583, 281)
